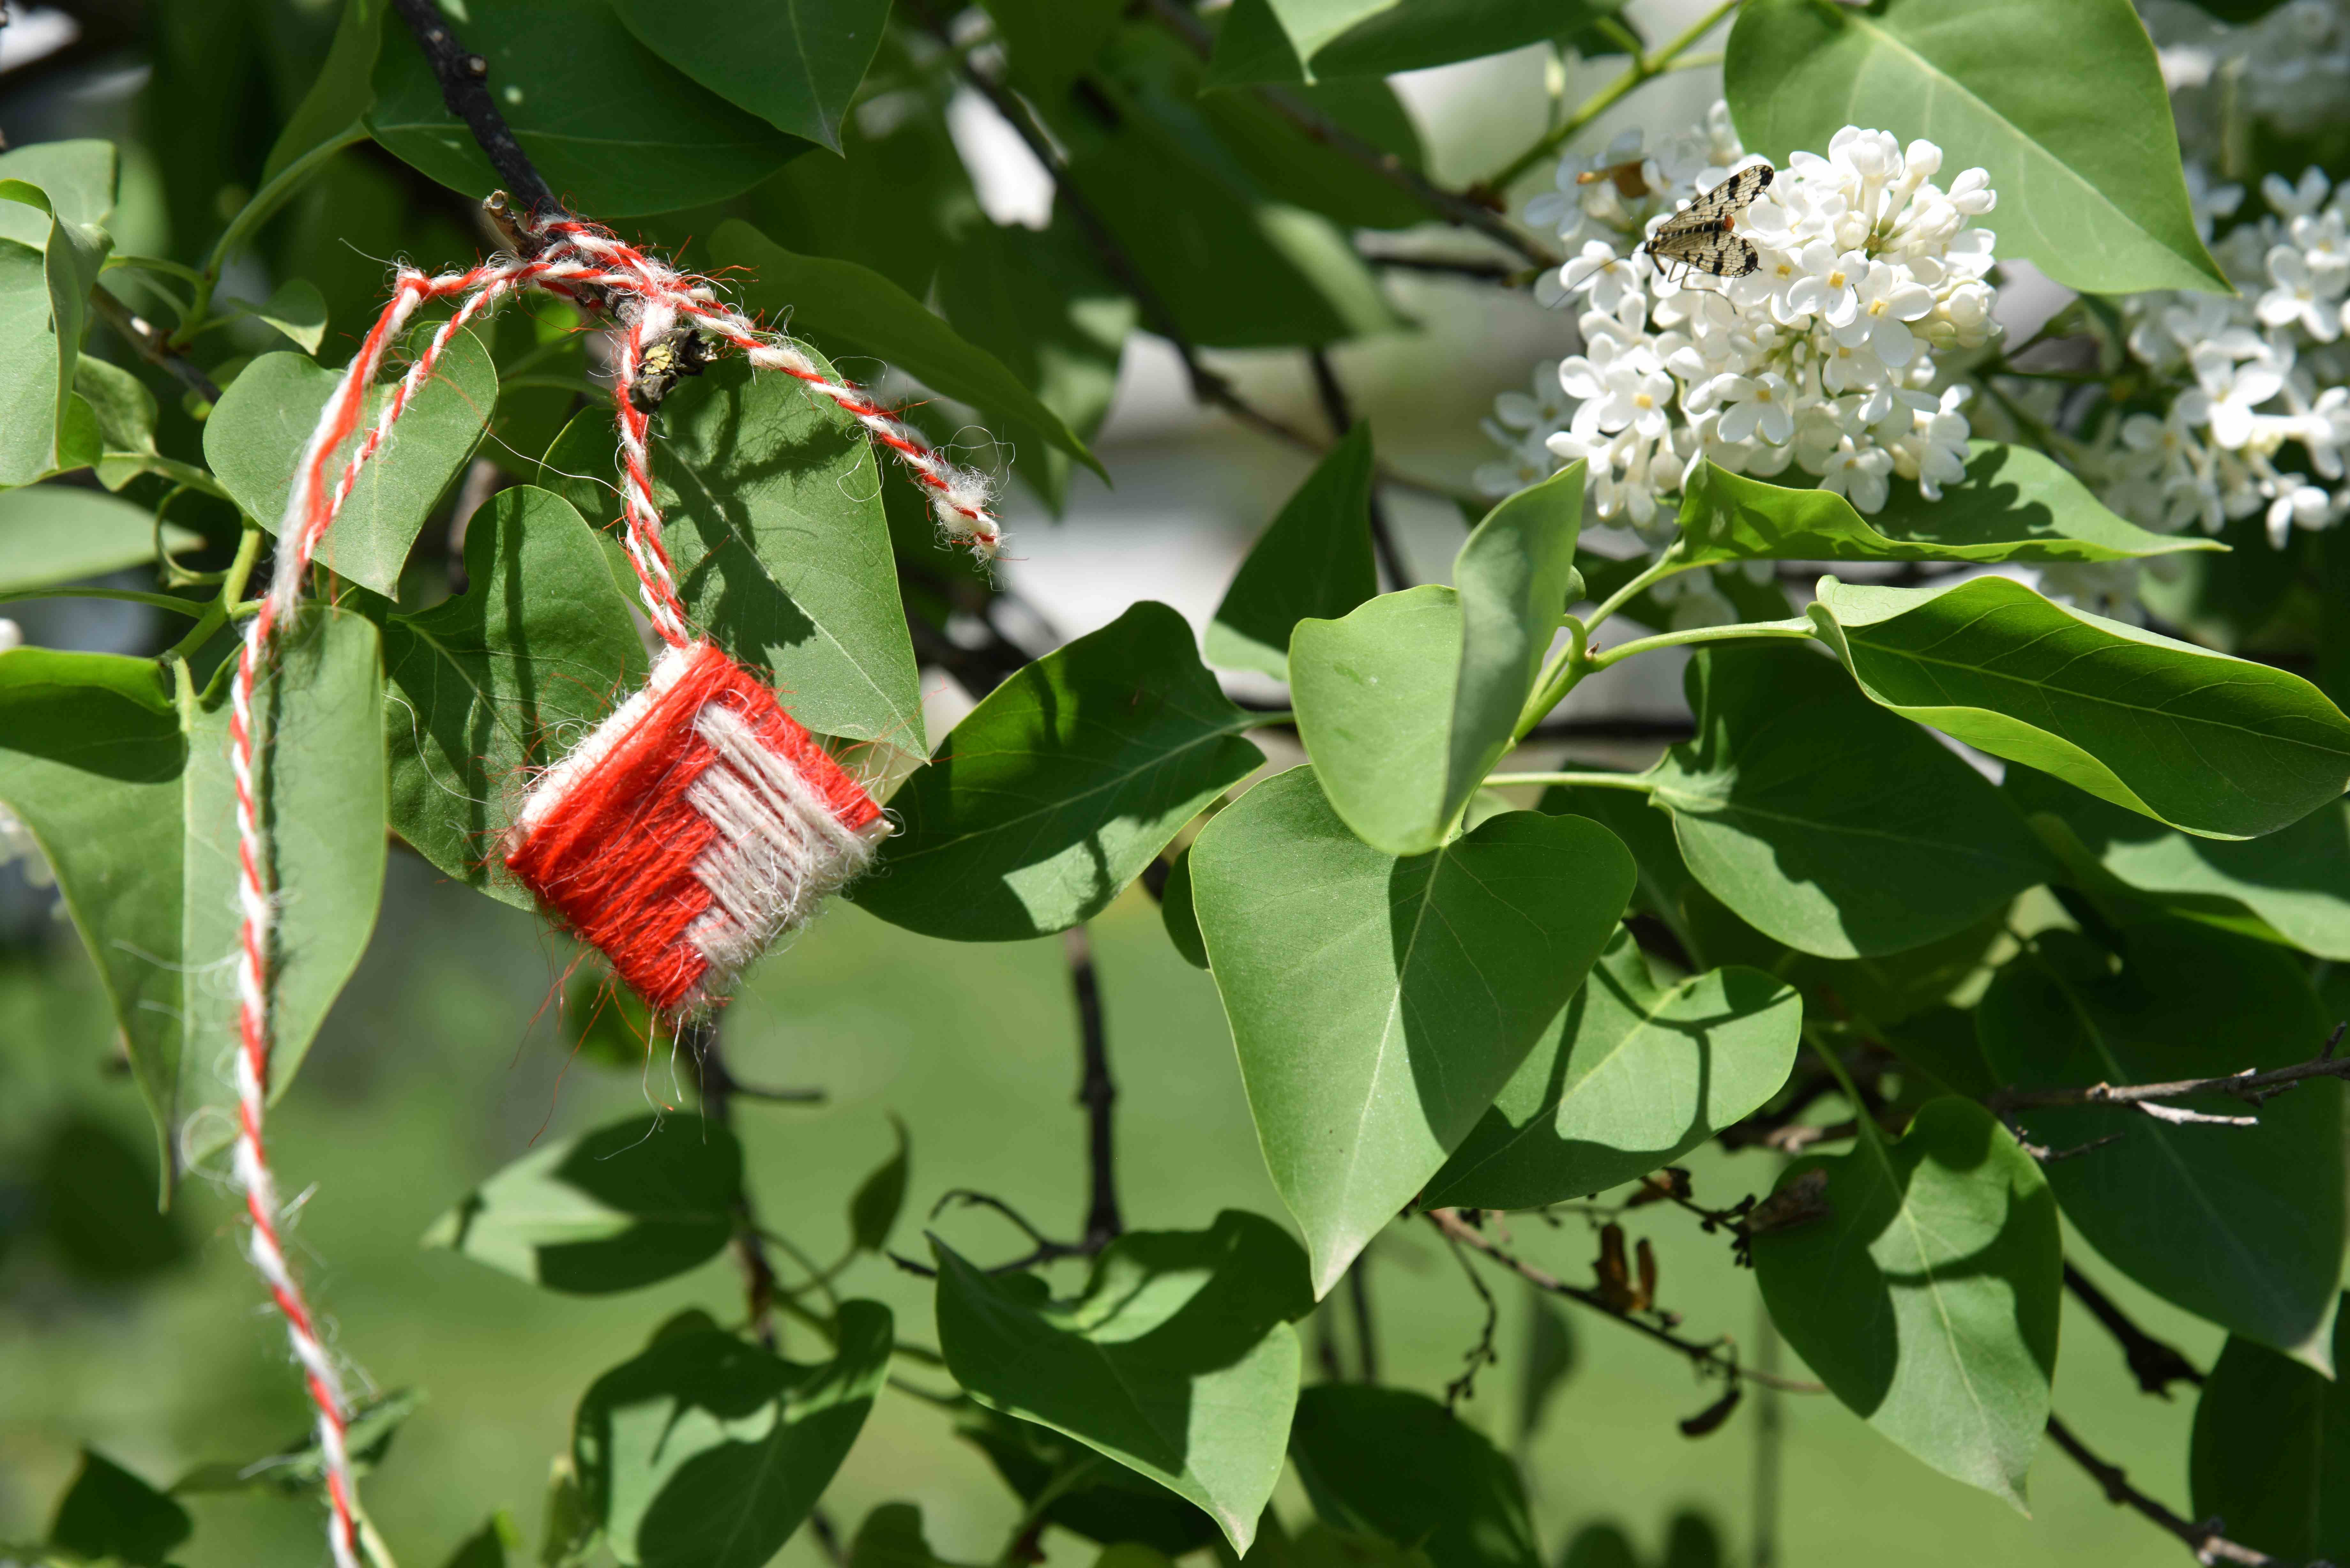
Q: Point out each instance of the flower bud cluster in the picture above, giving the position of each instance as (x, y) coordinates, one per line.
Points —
(1821, 361)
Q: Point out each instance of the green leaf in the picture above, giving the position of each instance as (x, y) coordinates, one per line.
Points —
(297, 1466)
(487, 1547)
(624, 1206)
(873, 1208)
(2065, 107)
(2272, 1449)
(297, 310)
(55, 193)
(2221, 747)
(1177, 1361)
(1926, 1297)
(1379, 1004)
(53, 534)
(500, 680)
(1289, 165)
(1406, 702)
(124, 411)
(781, 552)
(1817, 816)
(891, 1537)
(1051, 41)
(132, 804)
(1549, 1359)
(1310, 40)
(1043, 304)
(1313, 559)
(93, 1197)
(1101, 1503)
(109, 1513)
(2297, 879)
(256, 434)
(1397, 1465)
(706, 1451)
(339, 95)
(2239, 1225)
(861, 308)
(2015, 505)
(1632, 1077)
(793, 64)
(613, 127)
(1178, 915)
(1061, 786)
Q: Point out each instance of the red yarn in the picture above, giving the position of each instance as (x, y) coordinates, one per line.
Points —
(622, 850)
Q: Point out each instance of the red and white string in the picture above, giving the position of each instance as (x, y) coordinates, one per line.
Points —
(648, 300)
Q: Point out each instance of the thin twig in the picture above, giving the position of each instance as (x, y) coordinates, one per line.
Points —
(1095, 1092)
(2155, 1363)
(705, 1052)
(1341, 415)
(1366, 1333)
(150, 343)
(2250, 1086)
(1481, 1353)
(2204, 1540)
(464, 78)
(1716, 1359)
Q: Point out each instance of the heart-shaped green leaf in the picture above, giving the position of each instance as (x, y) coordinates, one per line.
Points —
(2015, 505)
(707, 1451)
(622, 1206)
(2272, 1450)
(480, 687)
(792, 63)
(1177, 1361)
(1397, 1465)
(2221, 747)
(1310, 40)
(1816, 815)
(1632, 1077)
(1379, 1004)
(255, 437)
(1313, 560)
(2239, 1225)
(1061, 786)
(1923, 1288)
(611, 125)
(52, 533)
(2064, 105)
(54, 196)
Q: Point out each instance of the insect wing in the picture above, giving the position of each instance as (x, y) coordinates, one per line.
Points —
(1733, 195)
(1707, 249)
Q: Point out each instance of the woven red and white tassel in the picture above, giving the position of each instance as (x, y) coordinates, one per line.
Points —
(688, 830)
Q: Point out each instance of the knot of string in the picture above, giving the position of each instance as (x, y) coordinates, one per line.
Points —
(645, 302)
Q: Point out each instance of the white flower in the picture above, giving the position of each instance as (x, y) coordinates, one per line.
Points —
(1826, 285)
(2299, 297)
(12, 636)
(1764, 404)
(1888, 300)
(1858, 474)
(2296, 200)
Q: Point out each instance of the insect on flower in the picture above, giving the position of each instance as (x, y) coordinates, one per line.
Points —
(1701, 237)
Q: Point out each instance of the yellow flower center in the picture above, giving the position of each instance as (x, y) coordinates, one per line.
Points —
(1642, 399)
(1835, 280)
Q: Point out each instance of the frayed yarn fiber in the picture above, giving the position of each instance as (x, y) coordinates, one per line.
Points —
(693, 827)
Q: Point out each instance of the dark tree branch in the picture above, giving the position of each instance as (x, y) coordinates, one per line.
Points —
(2250, 1087)
(717, 1088)
(1095, 1092)
(1470, 268)
(1341, 415)
(464, 88)
(1367, 1331)
(2204, 1539)
(1718, 1359)
(1481, 1354)
(153, 345)
(2156, 1364)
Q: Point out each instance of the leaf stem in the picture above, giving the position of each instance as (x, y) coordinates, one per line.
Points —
(1585, 781)
(1559, 677)
(1656, 571)
(226, 605)
(1642, 68)
(1796, 628)
(273, 193)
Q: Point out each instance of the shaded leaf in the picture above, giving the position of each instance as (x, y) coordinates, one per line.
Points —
(1178, 915)
(2221, 747)
(1103, 1502)
(1061, 786)
(622, 1206)
(297, 310)
(97, 1196)
(2297, 879)
(488, 1546)
(1817, 816)
(1926, 1298)
(864, 310)
(1630, 1077)
(2065, 107)
(255, 436)
(613, 127)
(2015, 505)
(339, 95)
(2270, 1450)
(1177, 1361)
(1379, 1004)
(873, 1207)
(53, 534)
(54, 196)
(706, 1451)
(891, 1537)
(793, 64)
(297, 1466)
(1397, 1465)
(2239, 1225)
(500, 678)
(1514, 574)
(1313, 559)
(108, 1513)
(1310, 40)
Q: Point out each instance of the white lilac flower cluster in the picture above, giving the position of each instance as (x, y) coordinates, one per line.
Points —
(2256, 372)
(1822, 360)
(2289, 67)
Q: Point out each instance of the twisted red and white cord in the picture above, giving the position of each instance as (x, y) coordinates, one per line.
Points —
(649, 299)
